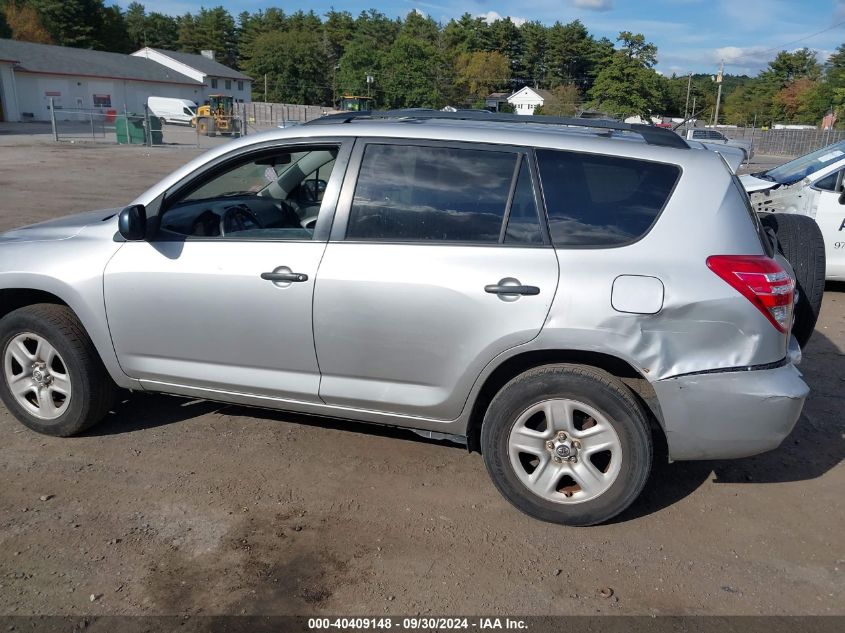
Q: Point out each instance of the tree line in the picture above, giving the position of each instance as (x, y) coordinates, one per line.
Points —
(303, 57)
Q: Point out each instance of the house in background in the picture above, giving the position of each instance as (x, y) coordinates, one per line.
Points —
(214, 76)
(495, 100)
(527, 99)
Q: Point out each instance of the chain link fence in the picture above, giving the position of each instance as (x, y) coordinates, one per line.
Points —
(144, 129)
(782, 142)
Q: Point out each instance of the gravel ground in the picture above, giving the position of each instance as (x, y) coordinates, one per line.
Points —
(188, 508)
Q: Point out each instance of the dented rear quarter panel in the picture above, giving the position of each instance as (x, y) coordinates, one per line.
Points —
(704, 324)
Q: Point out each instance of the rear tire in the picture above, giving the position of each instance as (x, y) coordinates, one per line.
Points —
(60, 384)
(801, 242)
(567, 444)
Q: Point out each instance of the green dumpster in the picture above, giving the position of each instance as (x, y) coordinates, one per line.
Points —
(133, 131)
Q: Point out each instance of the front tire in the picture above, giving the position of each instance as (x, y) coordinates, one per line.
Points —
(52, 378)
(567, 444)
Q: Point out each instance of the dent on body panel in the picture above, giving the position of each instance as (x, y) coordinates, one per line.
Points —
(679, 339)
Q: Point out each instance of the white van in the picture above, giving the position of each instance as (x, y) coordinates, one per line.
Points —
(172, 110)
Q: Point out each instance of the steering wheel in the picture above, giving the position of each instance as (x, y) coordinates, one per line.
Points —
(238, 217)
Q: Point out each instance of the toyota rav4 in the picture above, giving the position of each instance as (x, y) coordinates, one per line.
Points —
(562, 295)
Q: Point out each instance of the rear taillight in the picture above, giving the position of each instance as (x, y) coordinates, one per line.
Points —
(762, 281)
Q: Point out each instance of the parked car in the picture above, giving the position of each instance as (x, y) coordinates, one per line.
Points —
(715, 138)
(171, 110)
(734, 156)
(561, 297)
(811, 186)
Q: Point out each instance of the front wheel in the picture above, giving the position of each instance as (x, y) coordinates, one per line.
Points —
(53, 380)
(567, 444)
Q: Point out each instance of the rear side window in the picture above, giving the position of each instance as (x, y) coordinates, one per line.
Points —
(601, 201)
(431, 194)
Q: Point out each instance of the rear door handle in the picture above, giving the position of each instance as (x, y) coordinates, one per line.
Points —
(296, 277)
(496, 289)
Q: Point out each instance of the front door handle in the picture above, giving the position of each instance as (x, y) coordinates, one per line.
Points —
(497, 289)
(283, 276)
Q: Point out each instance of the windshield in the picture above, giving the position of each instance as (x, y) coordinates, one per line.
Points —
(806, 165)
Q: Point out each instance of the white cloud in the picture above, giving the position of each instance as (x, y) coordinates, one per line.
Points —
(593, 5)
(493, 16)
(742, 56)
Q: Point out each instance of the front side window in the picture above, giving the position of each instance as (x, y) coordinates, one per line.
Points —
(599, 201)
(431, 194)
(274, 195)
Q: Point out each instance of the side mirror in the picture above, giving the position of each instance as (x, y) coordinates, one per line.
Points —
(132, 223)
(842, 197)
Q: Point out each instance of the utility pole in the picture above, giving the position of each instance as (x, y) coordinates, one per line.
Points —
(686, 104)
(265, 87)
(718, 93)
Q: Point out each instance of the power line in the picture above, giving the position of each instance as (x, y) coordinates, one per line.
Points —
(801, 39)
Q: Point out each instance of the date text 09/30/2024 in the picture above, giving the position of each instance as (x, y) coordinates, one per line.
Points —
(417, 623)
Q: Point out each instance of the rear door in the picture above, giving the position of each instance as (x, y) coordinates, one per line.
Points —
(438, 261)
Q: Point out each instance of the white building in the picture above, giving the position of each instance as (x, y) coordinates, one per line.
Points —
(526, 100)
(80, 79)
(215, 77)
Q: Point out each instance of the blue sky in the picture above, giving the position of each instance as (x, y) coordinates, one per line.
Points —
(691, 35)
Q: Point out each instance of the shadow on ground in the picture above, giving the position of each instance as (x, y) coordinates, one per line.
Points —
(820, 434)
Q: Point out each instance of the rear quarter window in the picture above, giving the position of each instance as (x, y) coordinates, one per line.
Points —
(602, 201)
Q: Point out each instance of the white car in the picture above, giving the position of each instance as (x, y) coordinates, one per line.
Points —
(810, 185)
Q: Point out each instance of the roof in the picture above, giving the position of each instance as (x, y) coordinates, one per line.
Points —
(203, 64)
(498, 95)
(545, 95)
(650, 134)
(61, 60)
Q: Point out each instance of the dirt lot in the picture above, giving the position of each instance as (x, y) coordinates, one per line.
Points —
(177, 507)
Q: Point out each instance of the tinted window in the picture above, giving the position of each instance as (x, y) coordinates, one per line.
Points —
(597, 200)
(524, 221)
(412, 193)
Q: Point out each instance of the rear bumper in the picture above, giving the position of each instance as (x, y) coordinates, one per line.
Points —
(730, 414)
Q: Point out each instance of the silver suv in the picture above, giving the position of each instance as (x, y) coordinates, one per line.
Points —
(561, 298)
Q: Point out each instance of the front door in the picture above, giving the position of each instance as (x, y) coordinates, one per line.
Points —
(220, 298)
(437, 263)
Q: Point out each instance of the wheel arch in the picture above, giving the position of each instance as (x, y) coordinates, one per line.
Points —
(12, 299)
(511, 367)
(20, 295)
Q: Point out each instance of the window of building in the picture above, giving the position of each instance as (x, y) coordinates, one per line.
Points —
(228, 84)
(213, 82)
(240, 85)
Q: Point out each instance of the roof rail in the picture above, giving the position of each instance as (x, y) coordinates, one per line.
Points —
(651, 134)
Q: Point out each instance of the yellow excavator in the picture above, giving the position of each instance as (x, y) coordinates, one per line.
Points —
(217, 115)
